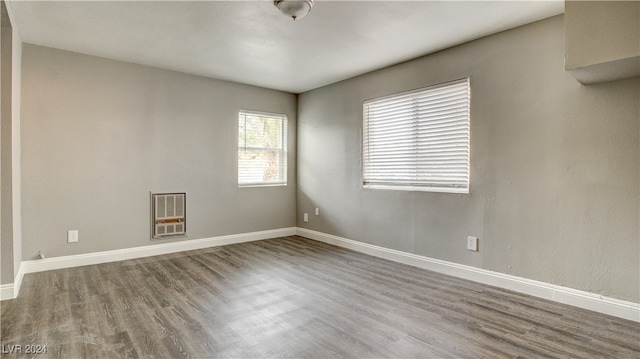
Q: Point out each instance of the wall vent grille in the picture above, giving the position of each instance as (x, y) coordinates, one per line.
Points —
(169, 214)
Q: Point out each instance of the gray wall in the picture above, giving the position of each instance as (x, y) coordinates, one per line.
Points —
(600, 31)
(99, 135)
(11, 222)
(555, 173)
(6, 218)
(602, 40)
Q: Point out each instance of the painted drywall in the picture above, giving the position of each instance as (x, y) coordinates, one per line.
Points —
(602, 40)
(99, 135)
(6, 220)
(555, 166)
(16, 147)
(601, 31)
(10, 223)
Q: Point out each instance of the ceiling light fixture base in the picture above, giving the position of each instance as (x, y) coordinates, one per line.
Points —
(295, 9)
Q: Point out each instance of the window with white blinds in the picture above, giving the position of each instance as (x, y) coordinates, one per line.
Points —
(418, 140)
(262, 149)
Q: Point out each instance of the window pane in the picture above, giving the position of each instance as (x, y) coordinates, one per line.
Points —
(262, 149)
(418, 140)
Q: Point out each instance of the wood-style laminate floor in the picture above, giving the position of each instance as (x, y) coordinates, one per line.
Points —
(294, 298)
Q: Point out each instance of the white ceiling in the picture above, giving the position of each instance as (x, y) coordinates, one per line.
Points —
(251, 42)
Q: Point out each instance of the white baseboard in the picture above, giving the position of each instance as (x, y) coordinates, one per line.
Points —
(578, 298)
(597, 303)
(6, 291)
(17, 283)
(9, 291)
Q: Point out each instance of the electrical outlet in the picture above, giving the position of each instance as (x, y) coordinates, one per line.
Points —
(72, 236)
(317, 211)
(472, 243)
(306, 217)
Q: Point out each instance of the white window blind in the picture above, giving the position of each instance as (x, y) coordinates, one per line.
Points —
(418, 140)
(262, 149)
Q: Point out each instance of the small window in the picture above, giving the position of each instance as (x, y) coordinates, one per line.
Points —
(418, 140)
(262, 149)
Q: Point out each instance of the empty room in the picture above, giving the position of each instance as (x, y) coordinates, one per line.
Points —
(320, 179)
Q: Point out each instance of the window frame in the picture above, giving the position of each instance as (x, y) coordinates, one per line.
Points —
(368, 182)
(282, 150)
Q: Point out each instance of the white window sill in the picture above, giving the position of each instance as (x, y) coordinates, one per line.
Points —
(417, 188)
(262, 185)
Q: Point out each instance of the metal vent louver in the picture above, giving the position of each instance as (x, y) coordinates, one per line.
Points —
(169, 214)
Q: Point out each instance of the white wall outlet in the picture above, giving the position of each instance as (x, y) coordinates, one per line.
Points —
(317, 211)
(72, 236)
(306, 217)
(472, 243)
